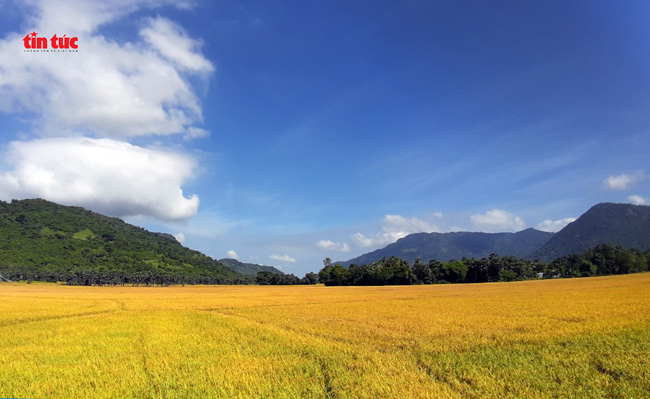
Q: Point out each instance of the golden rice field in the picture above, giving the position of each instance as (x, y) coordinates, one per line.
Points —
(547, 339)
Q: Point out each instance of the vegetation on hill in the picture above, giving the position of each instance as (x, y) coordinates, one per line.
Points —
(44, 241)
(248, 269)
(625, 225)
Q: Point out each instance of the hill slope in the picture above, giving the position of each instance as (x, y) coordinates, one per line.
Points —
(248, 269)
(447, 246)
(40, 237)
(606, 223)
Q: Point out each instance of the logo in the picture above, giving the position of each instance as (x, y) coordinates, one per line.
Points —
(56, 43)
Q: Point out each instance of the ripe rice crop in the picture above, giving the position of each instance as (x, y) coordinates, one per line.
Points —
(553, 338)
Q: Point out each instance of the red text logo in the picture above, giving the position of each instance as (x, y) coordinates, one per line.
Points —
(31, 41)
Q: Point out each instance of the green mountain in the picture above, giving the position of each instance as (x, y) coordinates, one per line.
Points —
(248, 269)
(46, 241)
(447, 246)
(625, 225)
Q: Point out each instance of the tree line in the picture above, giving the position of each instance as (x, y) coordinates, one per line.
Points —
(269, 278)
(105, 277)
(601, 260)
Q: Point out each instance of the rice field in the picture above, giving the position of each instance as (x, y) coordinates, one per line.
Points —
(554, 338)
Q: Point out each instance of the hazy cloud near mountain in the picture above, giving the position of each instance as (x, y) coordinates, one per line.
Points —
(622, 182)
(395, 227)
(283, 258)
(637, 200)
(554, 226)
(497, 220)
(333, 246)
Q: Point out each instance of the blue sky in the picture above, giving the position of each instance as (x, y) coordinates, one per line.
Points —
(300, 130)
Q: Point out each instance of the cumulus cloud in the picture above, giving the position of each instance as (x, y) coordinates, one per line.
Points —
(333, 246)
(111, 90)
(108, 176)
(554, 225)
(180, 237)
(637, 200)
(107, 89)
(622, 182)
(395, 227)
(497, 220)
(232, 254)
(283, 258)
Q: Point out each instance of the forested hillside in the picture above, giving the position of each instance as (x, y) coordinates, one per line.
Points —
(248, 269)
(606, 223)
(45, 241)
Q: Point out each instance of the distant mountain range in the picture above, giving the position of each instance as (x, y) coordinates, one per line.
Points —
(248, 269)
(606, 223)
(447, 246)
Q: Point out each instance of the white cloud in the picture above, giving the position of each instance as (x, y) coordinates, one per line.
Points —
(497, 220)
(554, 225)
(173, 43)
(180, 237)
(232, 254)
(283, 258)
(195, 133)
(333, 246)
(363, 240)
(637, 200)
(107, 89)
(394, 228)
(105, 175)
(622, 182)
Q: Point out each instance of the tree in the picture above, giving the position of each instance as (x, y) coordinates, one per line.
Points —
(494, 268)
(587, 268)
(454, 271)
(422, 272)
(264, 278)
(325, 275)
(340, 275)
(310, 279)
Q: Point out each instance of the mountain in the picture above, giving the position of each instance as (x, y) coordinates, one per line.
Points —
(40, 238)
(625, 225)
(248, 269)
(447, 246)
